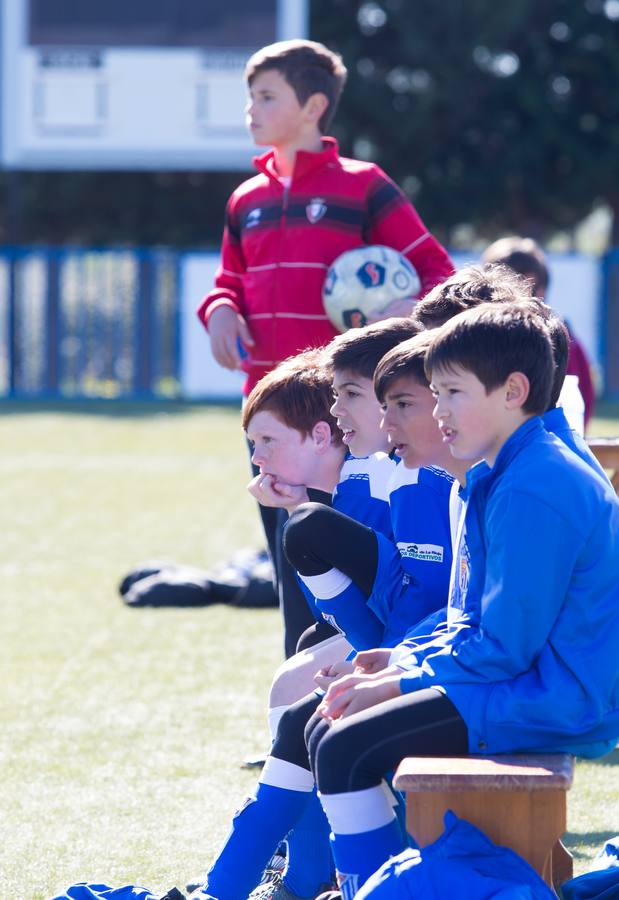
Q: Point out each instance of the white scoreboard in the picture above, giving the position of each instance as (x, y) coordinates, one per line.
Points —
(132, 84)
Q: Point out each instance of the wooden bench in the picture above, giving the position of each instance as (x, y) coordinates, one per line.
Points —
(607, 452)
(518, 801)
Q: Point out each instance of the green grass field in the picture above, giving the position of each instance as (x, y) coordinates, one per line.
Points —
(122, 730)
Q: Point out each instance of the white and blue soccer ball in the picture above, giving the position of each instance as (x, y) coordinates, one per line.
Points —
(362, 282)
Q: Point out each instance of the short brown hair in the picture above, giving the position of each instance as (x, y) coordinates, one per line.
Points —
(523, 256)
(407, 360)
(560, 339)
(492, 341)
(359, 350)
(469, 287)
(298, 391)
(308, 67)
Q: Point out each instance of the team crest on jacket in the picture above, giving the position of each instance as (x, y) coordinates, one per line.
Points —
(315, 210)
(253, 217)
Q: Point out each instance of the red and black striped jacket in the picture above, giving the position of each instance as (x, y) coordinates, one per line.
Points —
(279, 242)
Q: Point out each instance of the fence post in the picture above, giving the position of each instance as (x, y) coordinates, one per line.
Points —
(12, 324)
(52, 318)
(142, 375)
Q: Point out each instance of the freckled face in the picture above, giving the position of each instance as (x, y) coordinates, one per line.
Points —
(280, 450)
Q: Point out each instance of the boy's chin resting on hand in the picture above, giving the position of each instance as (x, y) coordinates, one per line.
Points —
(268, 491)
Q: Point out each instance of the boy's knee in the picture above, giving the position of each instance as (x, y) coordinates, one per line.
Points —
(291, 682)
(315, 731)
(331, 761)
(290, 741)
(301, 524)
(280, 681)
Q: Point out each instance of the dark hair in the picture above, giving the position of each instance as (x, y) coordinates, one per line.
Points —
(467, 288)
(298, 391)
(407, 360)
(523, 256)
(560, 339)
(494, 340)
(359, 350)
(308, 67)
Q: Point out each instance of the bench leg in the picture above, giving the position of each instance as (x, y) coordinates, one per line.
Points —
(562, 864)
(529, 822)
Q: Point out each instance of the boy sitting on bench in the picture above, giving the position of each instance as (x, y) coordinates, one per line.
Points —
(528, 661)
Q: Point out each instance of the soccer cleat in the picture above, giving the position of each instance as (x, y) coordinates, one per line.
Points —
(277, 890)
(273, 890)
(275, 866)
(274, 869)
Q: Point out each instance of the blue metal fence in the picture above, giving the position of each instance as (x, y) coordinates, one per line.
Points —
(77, 323)
(609, 325)
(106, 323)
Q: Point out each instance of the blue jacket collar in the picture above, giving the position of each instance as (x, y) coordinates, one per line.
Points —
(554, 420)
(523, 435)
(512, 446)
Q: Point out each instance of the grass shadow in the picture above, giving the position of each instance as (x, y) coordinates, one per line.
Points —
(575, 839)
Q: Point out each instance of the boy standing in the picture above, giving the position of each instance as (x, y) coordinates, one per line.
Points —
(528, 660)
(286, 225)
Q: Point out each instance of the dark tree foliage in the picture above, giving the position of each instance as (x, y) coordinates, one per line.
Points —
(501, 115)
(183, 209)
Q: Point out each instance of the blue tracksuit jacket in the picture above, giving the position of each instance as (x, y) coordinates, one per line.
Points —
(530, 656)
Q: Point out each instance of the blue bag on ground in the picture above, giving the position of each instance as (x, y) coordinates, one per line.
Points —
(463, 862)
(602, 883)
(89, 891)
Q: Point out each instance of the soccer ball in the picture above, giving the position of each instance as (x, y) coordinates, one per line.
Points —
(364, 281)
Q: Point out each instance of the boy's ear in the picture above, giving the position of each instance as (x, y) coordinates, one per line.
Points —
(316, 105)
(517, 389)
(321, 435)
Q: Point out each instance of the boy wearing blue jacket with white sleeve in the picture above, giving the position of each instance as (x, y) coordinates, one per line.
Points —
(528, 661)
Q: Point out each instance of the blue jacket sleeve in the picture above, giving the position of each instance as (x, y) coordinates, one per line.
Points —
(527, 574)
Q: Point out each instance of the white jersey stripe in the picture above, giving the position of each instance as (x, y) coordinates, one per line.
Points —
(288, 315)
(415, 243)
(288, 265)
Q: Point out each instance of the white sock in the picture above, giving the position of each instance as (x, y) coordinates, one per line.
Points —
(326, 585)
(282, 774)
(357, 811)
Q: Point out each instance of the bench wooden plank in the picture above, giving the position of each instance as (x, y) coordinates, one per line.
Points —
(488, 773)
